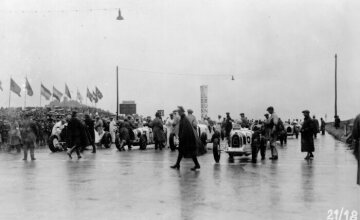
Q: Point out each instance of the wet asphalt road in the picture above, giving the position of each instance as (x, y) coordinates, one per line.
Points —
(140, 185)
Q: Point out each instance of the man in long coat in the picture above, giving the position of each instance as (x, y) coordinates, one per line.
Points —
(307, 135)
(158, 131)
(192, 118)
(317, 126)
(356, 140)
(189, 142)
(77, 136)
(89, 123)
(274, 132)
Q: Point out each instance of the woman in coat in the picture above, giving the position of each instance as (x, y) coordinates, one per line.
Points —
(307, 135)
(189, 142)
(158, 131)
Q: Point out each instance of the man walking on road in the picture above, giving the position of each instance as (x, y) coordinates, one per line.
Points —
(274, 120)
(307, 135)
(356, 140)
(189, 142)
(77, 135)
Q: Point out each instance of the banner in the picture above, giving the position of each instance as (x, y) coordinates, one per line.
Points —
(15, 87)
(96, 99)
(89, 95)
(28, 88)
(57, 94)
(1, 86)
(98, 93)
(204, 101)
(67, 91)
(45, 92)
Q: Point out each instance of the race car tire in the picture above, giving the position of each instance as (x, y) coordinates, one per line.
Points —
(51, 143)
(216, 150)
(106, 140)
(143, 142)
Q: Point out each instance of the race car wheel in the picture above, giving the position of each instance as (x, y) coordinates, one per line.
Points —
(52, 142)
(143, 142)
(172, 142)
(106, 140)
(216, 150)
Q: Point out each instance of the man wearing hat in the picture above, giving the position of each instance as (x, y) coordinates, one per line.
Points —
(169, 128)
(75, 129)
(273, 122)
(192, 118)
(244, 122)
(307, 135)
(228, 126)
(267, 127)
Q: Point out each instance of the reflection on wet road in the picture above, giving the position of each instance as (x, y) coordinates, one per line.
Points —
(140, 185)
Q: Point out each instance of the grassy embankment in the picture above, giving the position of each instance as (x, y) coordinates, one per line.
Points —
(340, 132)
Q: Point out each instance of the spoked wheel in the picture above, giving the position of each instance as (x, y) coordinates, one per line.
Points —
(216, 150)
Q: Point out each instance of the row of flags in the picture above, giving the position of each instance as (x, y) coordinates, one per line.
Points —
(94, 96)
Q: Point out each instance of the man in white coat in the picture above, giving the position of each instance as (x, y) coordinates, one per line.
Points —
(112, 128)
(169, 128)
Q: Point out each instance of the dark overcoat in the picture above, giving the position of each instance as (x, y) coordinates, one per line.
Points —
(356, 137)
(189, 141)
(124, 131)
(158, 129)
(307, 135)
(89, 123)
(77, 134)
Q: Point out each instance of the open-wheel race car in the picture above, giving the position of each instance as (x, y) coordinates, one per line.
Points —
(239, 143)
(57, 139)
(292, 129)
(143, 137)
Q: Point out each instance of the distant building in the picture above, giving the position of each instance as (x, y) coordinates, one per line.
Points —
(128, 108)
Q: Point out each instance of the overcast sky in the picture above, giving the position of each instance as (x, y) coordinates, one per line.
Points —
(281, 53)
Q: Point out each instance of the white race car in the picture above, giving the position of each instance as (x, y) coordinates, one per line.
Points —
(143, 137)
(238, 145)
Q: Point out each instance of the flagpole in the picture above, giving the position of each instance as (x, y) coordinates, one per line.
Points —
(117, 93)
(40, 94)
(10, 93)
(25, 91)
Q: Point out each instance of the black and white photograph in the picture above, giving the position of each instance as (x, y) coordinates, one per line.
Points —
(179, 109)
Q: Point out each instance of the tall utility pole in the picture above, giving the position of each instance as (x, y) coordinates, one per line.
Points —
(117, 93)
(336, 85)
